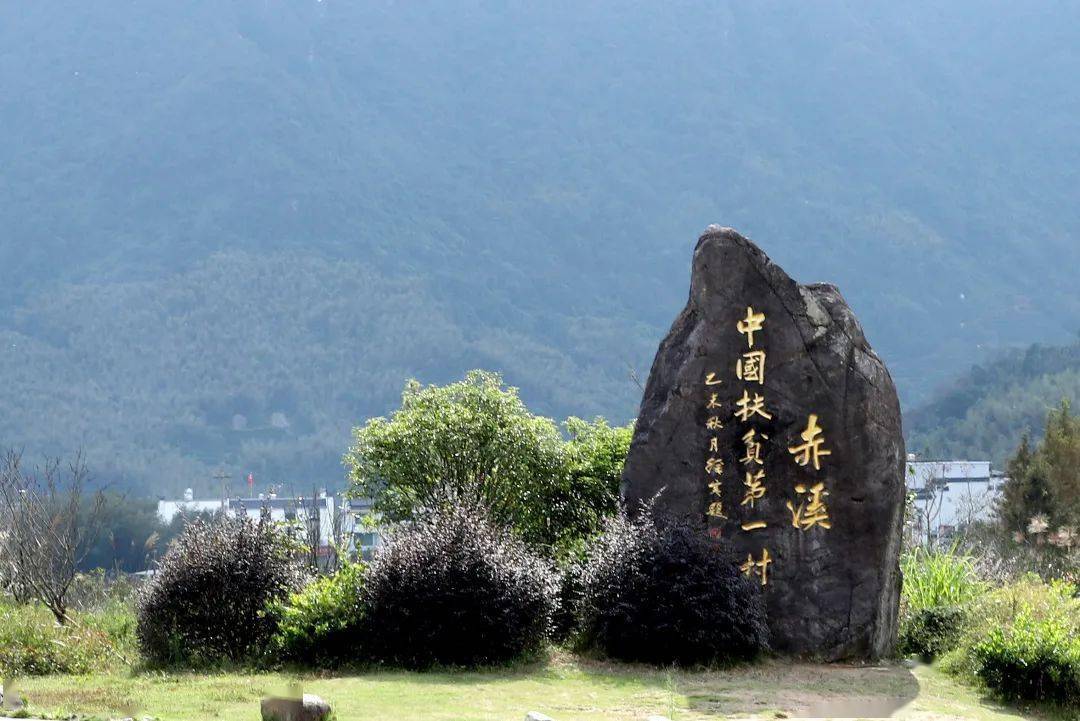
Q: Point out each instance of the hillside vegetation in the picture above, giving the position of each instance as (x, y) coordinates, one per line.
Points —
(984, 414)
(229, 231)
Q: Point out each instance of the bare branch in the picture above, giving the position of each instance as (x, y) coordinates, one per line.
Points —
(51, 526)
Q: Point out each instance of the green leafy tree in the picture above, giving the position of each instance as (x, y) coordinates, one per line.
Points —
(595, 455)
(476, 439)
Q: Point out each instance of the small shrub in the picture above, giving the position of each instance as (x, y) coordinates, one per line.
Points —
(667, 594)
(1052, 603)
(1033, 660)
(319, 625)
(455, 589)
(32, 643)
(206, 604)
(930, 632)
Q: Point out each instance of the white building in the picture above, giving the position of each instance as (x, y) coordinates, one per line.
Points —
(348, 523)
(291, 510)
(167, 510)
(358, 524)
(951, 494)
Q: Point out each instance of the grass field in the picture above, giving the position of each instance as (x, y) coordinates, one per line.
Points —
(564, 687)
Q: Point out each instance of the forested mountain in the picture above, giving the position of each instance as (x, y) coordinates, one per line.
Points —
(231, 229)
(984, 413)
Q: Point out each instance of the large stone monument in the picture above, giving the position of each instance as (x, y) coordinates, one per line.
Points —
(769, 419)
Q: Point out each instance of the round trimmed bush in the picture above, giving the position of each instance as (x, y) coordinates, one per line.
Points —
(667, 594)
(206, 603)
(454, 589)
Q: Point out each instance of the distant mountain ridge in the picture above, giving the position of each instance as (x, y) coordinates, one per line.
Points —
(986, 411)
(245, 207)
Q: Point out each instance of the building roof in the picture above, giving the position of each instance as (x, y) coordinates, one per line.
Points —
(279, 502)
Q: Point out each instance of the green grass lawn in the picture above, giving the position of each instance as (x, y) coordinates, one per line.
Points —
(564, 687)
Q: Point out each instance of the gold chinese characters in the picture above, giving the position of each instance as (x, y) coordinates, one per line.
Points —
(748, 407)
(811, 510)
(750, 369)
(714, 464)
(811, 451)
(808, 505)
(758, 568)
(751, 324)
(812, 513)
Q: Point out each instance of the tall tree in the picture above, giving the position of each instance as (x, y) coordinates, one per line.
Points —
(1044, 481)
(1060, 455)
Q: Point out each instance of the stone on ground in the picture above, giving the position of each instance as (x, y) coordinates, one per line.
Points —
(310, 708)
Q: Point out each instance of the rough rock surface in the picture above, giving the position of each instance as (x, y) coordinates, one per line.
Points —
(311, 708)
(827, 506)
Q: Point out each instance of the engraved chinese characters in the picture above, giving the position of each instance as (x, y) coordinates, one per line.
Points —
(768, 419)
(750, 368)
(811, 513)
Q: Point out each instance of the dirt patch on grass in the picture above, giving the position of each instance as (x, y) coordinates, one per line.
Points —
(806, 690)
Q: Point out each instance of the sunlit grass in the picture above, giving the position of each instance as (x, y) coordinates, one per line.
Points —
(564, 687)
